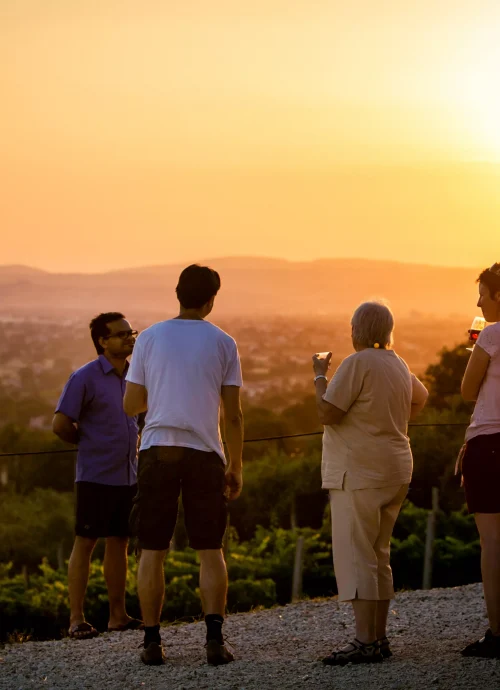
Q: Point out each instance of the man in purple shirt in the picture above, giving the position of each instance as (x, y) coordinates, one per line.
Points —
(90, 414)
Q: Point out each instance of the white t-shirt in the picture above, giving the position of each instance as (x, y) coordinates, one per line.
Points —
(370, 444)
(486, 416)
(183, 364)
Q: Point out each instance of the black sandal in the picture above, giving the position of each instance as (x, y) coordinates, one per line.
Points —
(355, 653)
(385, 648)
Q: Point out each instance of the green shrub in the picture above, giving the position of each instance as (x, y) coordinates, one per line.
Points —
(34, 527)
(243, 595)
(260, 574)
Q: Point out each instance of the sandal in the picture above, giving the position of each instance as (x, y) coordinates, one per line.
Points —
(355, 653)
(488, 647)
(385, 649)
(82, 631)
(132, 624)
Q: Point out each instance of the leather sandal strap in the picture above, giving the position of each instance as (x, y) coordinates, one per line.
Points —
(355, 647)
(363, 645)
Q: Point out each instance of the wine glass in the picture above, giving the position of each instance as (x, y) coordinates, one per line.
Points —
(477, 326)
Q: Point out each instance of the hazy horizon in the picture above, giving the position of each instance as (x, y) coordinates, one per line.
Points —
(234, 258)
(249, 286)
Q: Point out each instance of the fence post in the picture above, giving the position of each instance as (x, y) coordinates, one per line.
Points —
(429, 539)
(4, 474)
(293, 514)
(297, 570)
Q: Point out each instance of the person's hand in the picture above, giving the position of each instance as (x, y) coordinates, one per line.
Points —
(234, 484)
(321, 363)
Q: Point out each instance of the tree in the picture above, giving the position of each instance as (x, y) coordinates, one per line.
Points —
(436, 446)
(444, 378)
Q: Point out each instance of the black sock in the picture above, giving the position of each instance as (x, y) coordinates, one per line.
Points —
(152, 634)
(214, 627)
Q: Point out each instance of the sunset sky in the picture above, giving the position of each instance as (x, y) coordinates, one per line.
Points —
(141, 132)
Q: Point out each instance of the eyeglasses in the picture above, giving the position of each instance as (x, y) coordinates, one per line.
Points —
(123, 335)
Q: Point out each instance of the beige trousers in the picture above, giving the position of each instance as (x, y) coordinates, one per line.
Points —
(362, 524)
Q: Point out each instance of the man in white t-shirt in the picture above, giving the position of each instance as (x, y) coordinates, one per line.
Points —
(181, 370)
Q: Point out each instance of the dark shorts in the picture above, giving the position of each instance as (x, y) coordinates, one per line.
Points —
(481, 473)
(163, 473)
(103, 510)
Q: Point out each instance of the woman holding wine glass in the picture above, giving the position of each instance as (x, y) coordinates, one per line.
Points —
(366, 466)
(481, 454)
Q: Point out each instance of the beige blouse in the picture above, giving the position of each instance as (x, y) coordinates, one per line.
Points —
(370, 444)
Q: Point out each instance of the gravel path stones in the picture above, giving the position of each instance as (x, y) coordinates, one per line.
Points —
(277, 648)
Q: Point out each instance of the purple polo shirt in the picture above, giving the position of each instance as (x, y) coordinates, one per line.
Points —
(107, 447)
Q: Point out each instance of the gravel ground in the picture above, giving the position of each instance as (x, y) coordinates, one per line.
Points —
(277, 648)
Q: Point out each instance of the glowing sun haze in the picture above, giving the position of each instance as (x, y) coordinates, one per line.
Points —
(153, 131)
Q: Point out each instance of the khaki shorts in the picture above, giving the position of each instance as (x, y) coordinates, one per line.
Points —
(362, 524)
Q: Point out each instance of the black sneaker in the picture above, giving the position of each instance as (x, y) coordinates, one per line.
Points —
(218, 654)
(487, 647)
(355, 653)
(153, 654)
(385, 648)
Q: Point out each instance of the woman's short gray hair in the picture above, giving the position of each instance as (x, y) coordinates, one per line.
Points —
(372, 322)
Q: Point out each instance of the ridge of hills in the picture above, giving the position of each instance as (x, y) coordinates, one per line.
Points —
(250, 286)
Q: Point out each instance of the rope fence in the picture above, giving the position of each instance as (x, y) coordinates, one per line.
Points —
(297, 579)
(247, 440)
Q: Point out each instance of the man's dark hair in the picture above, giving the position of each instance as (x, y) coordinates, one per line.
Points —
(491, 280)
(197, 285)
(99, 327)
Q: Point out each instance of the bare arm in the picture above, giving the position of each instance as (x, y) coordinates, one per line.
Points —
(475, 373)
(418, 397)
(233, 434)
(135, 399)
(328, 414)
(65, 428)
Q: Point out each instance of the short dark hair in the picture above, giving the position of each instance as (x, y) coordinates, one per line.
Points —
(491, 280)
(197, 285)
(99, 327)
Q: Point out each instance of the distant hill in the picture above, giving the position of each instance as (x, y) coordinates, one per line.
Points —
(250, 285)
(16, 272)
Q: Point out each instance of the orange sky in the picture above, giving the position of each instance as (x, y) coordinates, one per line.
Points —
(151, 131)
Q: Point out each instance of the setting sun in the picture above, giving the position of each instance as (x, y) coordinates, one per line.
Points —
(472, 91)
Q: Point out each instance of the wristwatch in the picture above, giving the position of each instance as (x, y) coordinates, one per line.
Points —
(320, 376)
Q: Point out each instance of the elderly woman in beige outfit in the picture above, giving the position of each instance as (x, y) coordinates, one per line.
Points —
(367, 467)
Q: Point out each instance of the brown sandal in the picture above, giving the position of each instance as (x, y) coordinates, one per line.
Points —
(132, 624)
(355, 652)
(83, 631)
